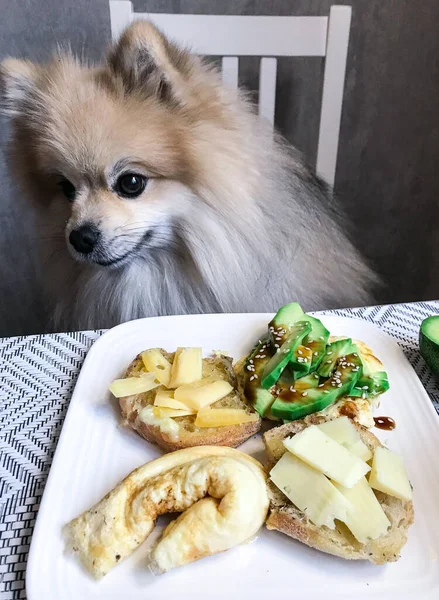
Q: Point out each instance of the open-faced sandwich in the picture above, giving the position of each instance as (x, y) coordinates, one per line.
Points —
(324, 492)
(179, 399)
(296, 369)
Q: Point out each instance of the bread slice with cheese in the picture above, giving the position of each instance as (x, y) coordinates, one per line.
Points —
(174, 433)
(288, 519)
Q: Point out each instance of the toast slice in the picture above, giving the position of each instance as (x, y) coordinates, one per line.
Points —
(181, 432)
(288, 519)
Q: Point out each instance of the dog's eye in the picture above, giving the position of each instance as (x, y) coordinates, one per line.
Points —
(130, 185)
(68, 189)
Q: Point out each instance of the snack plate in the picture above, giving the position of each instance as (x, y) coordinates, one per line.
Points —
(94, 453)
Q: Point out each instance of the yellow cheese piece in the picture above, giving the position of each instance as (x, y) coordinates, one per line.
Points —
(161, 412)
(361, 450)
(133, 385)
(389, 475)
(155, 362)
(221, 417)
(187, 367)
(327, 456)
(343, 431)
(366, 519)
(310, 491)
(165, 399)
(202, 393)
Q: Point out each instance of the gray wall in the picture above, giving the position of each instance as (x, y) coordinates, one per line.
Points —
(388, 175)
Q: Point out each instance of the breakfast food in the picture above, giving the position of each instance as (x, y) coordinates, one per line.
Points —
(221, 493)
(324, 493)
(185, 400)
(297, 369)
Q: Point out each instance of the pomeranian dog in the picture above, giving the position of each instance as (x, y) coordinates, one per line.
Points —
(159, 191)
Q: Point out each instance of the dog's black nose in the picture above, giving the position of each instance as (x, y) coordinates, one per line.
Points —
(84, 238)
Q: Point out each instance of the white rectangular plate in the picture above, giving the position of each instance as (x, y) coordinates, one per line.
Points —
(94, 453)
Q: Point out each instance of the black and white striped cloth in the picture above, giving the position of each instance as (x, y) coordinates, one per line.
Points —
(37, 377)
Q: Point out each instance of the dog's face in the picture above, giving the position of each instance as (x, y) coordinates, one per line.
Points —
(116, 152)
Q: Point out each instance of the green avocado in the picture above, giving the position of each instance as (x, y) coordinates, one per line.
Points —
(429, 342)
(282, 357)
(279, 327)
(292, 404)
(333, 353)
(256, 395)
(370, 385)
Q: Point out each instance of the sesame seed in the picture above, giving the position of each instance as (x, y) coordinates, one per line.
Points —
(326, 391)
(292, 389)
(286, 351)
(355, 354)
(363, 395)
(328, 362)
(255, 376)
(252, 377)
(304, 393)
(278, 349)
(321, 337)
(262, 356)
(339, 385)
(276, 345)
(316, 376)
(329, 353)
(306, 348)
(249, 368)
(321, 385)
(250, 361)
(337, 373)
(299, 352)
(316, 353)
(365, 387)
(300, 360)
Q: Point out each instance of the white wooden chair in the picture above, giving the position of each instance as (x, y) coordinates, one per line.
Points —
(268, 37)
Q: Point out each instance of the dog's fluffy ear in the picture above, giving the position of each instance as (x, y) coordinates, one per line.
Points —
(17, 80)
(148, 63)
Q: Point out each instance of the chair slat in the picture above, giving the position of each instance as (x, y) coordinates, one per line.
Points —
(267, 89)
(230, 67)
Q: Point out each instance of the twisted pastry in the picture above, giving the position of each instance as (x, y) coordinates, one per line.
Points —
(220, 492)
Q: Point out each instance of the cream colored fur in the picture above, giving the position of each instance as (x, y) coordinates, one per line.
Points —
(231, 218)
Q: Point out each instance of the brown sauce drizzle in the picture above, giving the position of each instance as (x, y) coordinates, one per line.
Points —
(386, 423)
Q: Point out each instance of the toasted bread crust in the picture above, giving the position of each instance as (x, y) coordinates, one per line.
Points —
(285, 517)
(188, 434)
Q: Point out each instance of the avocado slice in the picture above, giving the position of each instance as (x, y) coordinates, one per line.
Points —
(257, 396)
(282, 357)
(283, 321)
(301, 360)
(370, 385)
(316, 341)
(429, 342)
(291, 405)
(333, 352)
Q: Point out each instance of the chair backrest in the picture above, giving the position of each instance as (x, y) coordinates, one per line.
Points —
(268, 37)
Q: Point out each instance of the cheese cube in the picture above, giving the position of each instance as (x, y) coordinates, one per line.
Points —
(389, 475)
(366, 519)
(343, 431)
(161, 412)
(222, 417)
(327, 456)
(361, 450)
(310, 491)
(187, 367)
(165, 399)
(130, 386)
(202, 393)
(155, 362)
